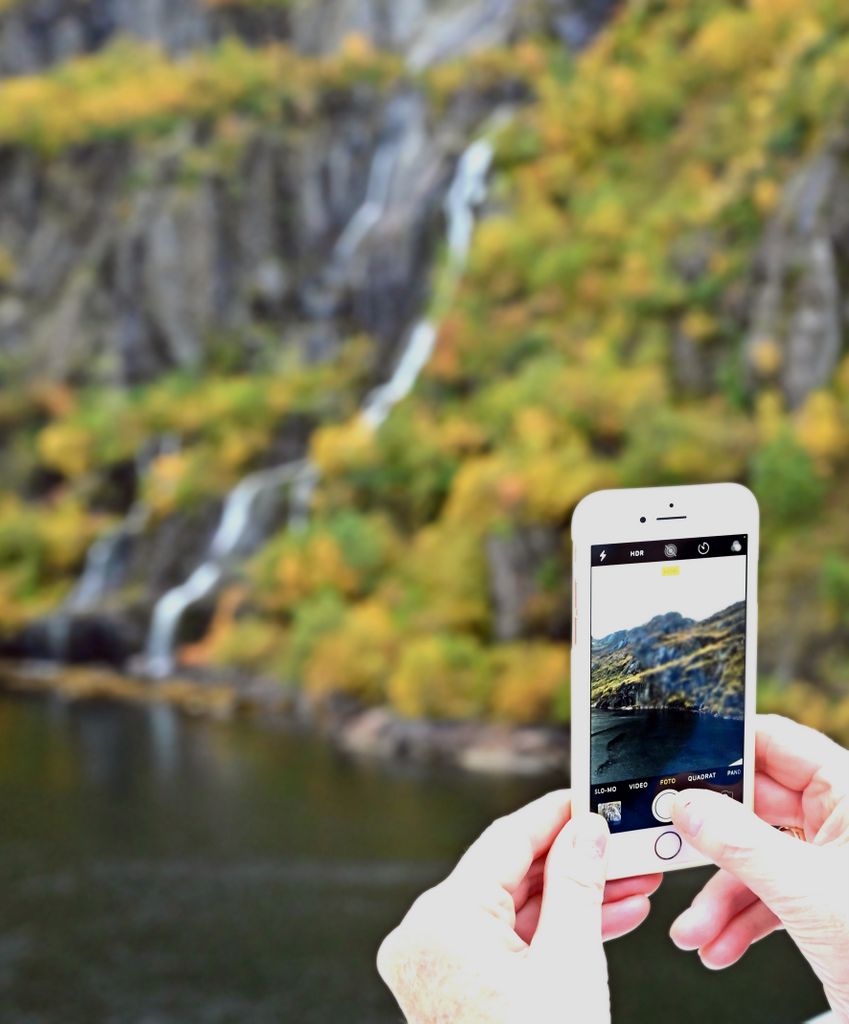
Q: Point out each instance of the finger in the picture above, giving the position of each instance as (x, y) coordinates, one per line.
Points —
(531, 884)
(776, 803)
(617, 919)
(747, 928)
(771, 864)
(639, 885)
(527, 918)
(575, 875)
(712, 910)
(508, 847)
(793, 754)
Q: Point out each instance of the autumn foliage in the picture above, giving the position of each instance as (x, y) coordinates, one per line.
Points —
(596, 339)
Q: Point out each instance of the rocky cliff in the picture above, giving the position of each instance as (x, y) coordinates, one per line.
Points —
(465, 260)
(37, 33)
(673, 662)
(133, 259)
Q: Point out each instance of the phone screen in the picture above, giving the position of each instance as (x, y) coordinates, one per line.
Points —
(667, 674)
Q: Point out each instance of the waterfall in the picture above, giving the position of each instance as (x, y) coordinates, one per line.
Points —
(377, 195)
(400, 113)
(104, 562)
(467, 192)
(232, 538)
(107, 557)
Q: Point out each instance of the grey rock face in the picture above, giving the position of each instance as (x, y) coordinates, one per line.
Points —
(44, 32)
(529, 583)
(40, 33)
(127, 265)
(799, 313)
(577, 21)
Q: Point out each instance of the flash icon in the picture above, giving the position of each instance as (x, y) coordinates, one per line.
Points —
(602, 556)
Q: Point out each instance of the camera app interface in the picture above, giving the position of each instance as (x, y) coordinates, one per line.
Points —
(668, 655)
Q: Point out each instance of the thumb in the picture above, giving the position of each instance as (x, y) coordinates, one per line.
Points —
(774, 866)
(573, 891)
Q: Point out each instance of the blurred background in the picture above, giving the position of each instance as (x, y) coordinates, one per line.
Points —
(317, 318)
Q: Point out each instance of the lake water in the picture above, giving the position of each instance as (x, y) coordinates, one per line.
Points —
(155, 870)
(631, 744)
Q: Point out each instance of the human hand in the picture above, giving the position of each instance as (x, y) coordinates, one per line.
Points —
(770, 880)
(514, 934)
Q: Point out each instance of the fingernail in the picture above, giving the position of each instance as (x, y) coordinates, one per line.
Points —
(683, 926)
(686, 817)
(591, 835)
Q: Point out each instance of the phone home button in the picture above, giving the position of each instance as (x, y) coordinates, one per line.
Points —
(668, 845)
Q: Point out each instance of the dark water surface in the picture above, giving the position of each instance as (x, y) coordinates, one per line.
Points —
(631, 744)
(159, 871)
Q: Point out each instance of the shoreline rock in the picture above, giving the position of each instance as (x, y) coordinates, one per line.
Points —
(357, 731)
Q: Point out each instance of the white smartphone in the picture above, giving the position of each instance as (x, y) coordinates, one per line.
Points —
(664, 635)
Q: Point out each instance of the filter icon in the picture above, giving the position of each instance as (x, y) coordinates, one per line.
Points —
(736, 547)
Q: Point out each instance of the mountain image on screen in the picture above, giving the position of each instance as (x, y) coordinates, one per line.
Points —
(674, 663)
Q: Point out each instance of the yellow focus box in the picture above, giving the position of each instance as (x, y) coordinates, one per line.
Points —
(671, 570)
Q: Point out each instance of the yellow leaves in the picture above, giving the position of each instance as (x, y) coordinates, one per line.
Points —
(608, 219)
(725, 43)
(343, 556)
(537, 429)
(554, 485)
(537, 484)
(249, 643)
(66, 529)
(446, 363)
(822, 430)
(606, 398)
(358, 657)
(779, 10)
(444, 574)
(808, 705)
(441, 676)
(451, 676)
(769, 416)
(45, 541)
(462, 436)
(531, 57)
(339, 449)
(767, 195)
(637, 277)
(303, 570)
(766, 357)
(239, 447)
(473, 490)
(164, 480)
(357, 48)
(129, 87)
(530, 679)
(699, 325)
(493, 240)
(67, 447)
